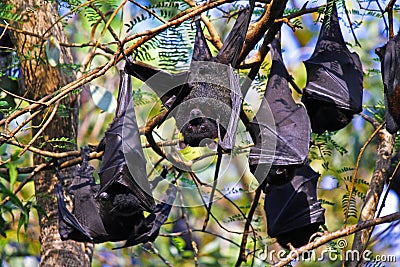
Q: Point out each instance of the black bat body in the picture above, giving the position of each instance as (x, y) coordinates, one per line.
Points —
(290, 127)
(114, 209)
(333, 93)
(293, 211)
(208, 104)
(389, 55)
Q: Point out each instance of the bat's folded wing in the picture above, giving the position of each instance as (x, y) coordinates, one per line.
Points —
(164, 84)
(84, 222)
(289, 124)
(155, 220)
(389, 55)
(333, 93)
(293, 211)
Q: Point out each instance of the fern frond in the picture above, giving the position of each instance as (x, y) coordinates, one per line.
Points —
(349, 205)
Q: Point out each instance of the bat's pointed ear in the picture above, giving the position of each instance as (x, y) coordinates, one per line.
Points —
(201, 51)
(233, 44)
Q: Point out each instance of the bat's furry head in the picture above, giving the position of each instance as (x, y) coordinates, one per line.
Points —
(120, 201)
(199, 130)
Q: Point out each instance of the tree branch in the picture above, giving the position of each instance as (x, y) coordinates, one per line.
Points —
(385, 149)
(328, 236)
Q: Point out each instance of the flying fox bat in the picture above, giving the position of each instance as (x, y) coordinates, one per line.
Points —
(206, 105)
(333, 93)
(293, 211)
(389, 55)
(282, 140)
(114, 209)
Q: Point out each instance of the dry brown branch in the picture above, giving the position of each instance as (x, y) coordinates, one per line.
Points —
(185, 217)
(384, 152)
(41, 130)
(353, 179)
(102, 69)
(155, 251)
(328, 236)
(256, 31)
(242, 253)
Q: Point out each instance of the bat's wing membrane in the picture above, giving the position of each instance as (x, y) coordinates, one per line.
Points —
(164, 84)
(293, 211)
(292, 125)
(201, 51)
(114, 210)
(113, 170)
(85, 221)
(233, 44)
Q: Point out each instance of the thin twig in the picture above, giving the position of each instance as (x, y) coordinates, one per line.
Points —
(216, 173)
(210, 213)
(184, 215)
(155, 251)
(242, 256)
(148, 11)
(368, 209)
(41, 130)
(328, 236)
(351, 24)
(389, 182)
(353, 179)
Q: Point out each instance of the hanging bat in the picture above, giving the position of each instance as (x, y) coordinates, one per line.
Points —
(114, 209)
(208, 103)
(281, 127)
(293, 211)
(333, 93)
(282, 139)
(389, 55)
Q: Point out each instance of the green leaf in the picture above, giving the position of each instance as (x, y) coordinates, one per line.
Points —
(179, 243)
(13, 173)
(102, 98)
(4, 104)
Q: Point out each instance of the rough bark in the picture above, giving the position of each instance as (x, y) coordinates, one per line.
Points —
(40, 79)
(368, 210)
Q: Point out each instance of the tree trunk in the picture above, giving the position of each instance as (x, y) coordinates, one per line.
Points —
(38, 80)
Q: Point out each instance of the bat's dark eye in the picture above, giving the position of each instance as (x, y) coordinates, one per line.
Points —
(190, 128)
(203, 128)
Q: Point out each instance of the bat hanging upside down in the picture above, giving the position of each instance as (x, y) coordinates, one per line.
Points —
(114, 209)
(206, 101)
